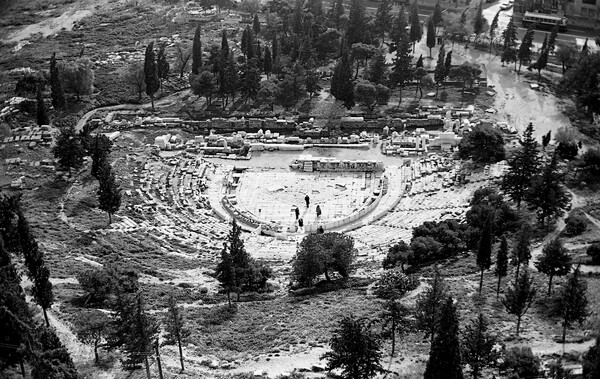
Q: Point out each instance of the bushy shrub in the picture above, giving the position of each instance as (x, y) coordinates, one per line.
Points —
(575, 225)
(521, 362)
(393, 284)
(594, 252)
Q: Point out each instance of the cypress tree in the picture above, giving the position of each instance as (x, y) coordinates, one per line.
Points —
(275, 47)
(524, 52)
(141, 332)
(571, 303)
(58, 94)
(437, 15)
(493, 28)
(554, 261)
(509, 36)
(267, 62)
(100, 150)
(542, 61)
(342, 87)
(356, 28)
(225, 272)
(430, 35)
(224, 44)
(163, 66)
(439, 74)
(522, 252)
(151, 73)
(552, 39)
(256, 24)
(383, 18)
(478, 21)
(401, 69)
(416, 30)
(444, 357)
(522, 168)
(484, 251)
(501, 263)
(42, 112)
(378, 69)
(519, 297)
(240, 258)
(174, 326)
(196, 52)
(109, 193)
(428, 306)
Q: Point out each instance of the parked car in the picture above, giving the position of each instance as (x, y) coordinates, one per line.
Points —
(506, 6)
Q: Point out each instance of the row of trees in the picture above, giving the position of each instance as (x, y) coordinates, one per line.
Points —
(357, 343)
(23, 339)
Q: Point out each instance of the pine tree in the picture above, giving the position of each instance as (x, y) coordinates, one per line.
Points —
(52, 359)
(68, 149)
(439, 74)
(430, 35)
(524, 53)
(484, 251)
(542, 61)
(225, 273)
(356, 28)
(444, 357)
(501, 263)
(383, 18)
(141, 332)
(92, 328)
(547, 195)
(99, 152)
(162, 65)
(395, 321)
(401, 70)
(522, 252)
(196, 52)
(342, 87)
(250, 79)
(356, 350)
(519, 297)
(477, 345)
(58, 94)
(151, 73)
(416, 30)
(174, 326)
(429, 303)
(256, 25)
(493, 28)
(522, 168)
(571, 303)
(109, 193)
(479, 20)
(42, 112)
(554, 261)
(378, 69)
(241, 260)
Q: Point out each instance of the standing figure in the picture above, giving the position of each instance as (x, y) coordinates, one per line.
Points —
(297, 212)
(318, 211)
(300, 223)
(307, 199)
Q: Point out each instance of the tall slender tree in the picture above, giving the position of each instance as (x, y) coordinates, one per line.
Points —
(439, 74)
(151, 73)
(554, 261)
(484, 250)
(571, 304)
(197, 52)
(416, 30)
(342, 87)
(68, 149)
(519, 297)
(493, 28)
(99, 151)
(524, 52)
(444, 357)
(58, 93)
(174, 326)
(501, 263)
(225, 273)
(478, 20)
(522, 251)
(552, 39)
(542, 61)
(42, 112)
(429, 304)
(267, 62)
(437, 15)
(430, 35)
(383, 19)
(356, 28)
(141, 332)
(395, 322)
(109, 193)
(401, 70)
(162, 65)
(256, 24)
(509, 36)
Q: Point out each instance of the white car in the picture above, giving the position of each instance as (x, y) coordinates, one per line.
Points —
(506, 6)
